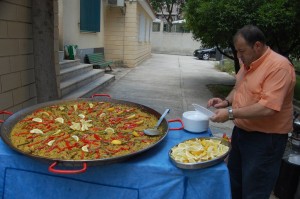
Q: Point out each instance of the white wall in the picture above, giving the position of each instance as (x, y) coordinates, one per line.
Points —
(173, 43)
(71, 28)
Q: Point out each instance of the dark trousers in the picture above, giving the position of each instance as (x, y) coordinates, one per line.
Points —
(254, 163)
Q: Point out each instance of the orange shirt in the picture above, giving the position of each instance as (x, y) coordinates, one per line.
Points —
(270, 81)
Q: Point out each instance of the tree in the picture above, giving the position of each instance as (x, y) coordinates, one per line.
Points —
(168, 9)
(214, 22)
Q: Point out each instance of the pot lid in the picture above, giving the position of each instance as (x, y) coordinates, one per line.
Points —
(203, 110)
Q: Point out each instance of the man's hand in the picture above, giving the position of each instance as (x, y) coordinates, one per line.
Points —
(221, 115)
(217, 103)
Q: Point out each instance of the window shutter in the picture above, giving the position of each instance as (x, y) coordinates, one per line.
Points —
(90, 15)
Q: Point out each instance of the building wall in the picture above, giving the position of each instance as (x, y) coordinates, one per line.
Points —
(17, 74)
(173, 42)
(71, 29)
(144, 48)
(122, 35)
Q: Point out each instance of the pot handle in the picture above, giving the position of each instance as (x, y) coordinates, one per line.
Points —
(5, 112)
(51, 169)
(176, 120)
(105, 95)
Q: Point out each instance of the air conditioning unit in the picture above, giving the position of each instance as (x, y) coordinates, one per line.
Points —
(118, 3)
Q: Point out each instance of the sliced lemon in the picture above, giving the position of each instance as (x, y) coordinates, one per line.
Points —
(81, 116)
(102, 114)
(75, 107)
(61, 108)
(85, 148)
(91, 105)
(131, 116)
(135, 134)
(36, 131)
(140, 122)
(37, 119)
(117, 142)
(45, 113)
(119, 113)
(50, 143)
(57, 132)
(111, 109)
(109, 130)
(75, 137)
(60, 120)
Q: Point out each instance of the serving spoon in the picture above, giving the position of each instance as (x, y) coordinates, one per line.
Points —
(154, 131)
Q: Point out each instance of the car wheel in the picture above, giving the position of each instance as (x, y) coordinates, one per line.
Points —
(205, 56)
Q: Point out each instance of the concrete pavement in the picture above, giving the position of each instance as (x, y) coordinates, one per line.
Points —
(170, 81)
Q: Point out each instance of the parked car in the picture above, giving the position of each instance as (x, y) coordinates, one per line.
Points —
(205, 53)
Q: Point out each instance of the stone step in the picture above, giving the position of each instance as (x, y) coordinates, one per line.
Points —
(76, 82)
(69, 63)
(91, 88)
(70, 72)
(61, 55)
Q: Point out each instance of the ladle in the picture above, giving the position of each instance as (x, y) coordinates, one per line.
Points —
(154, 131)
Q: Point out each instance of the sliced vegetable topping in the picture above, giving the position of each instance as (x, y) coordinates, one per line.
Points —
(85, 148)
(50, 142)
(109, 130)
(37, 119)
(81, 116)
(75, 137)
(117, 142)
(37, 131)
(60, 120)
(131, 116)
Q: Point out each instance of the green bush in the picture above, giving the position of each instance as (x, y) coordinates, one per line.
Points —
(227, 67)
(296, 65)
(297, 88)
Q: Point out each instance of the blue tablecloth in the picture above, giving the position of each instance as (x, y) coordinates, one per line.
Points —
(150, 175)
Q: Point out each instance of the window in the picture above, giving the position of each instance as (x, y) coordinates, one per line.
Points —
(142, 28)
(90, 15)
(156, 27)
(147, 30)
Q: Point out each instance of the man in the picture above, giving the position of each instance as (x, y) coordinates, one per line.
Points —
(262, 111)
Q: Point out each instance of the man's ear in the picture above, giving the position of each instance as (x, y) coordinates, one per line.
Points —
(258, 45)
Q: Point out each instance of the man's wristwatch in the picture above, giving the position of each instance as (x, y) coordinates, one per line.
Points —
(230, 114)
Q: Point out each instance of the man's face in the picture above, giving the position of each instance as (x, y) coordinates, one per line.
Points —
(246, 53)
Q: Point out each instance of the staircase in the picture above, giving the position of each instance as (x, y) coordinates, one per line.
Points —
(81, 80)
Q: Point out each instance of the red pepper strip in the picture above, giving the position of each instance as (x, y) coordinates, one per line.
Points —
(120, 135)
(35, 143)
(63, 138)
(90, 110)
(32, 137)
(95, 129)
(97, 155)
(54, 147)
(82, 155)
(85, 141)
(68, 144)
(97, 137)
(26, 120)
(141, 133)
(22, 133)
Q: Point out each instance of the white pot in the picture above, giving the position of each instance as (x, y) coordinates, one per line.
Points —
(195, 122)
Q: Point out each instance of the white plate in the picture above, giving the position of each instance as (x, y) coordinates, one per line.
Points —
(203, 110)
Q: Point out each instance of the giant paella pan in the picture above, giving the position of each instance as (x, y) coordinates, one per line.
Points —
(86, 131)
